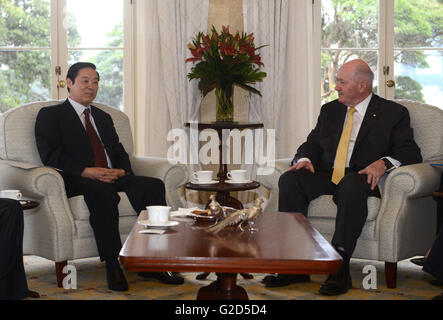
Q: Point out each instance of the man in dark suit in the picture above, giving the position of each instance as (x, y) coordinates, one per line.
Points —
(13, 284)
(434, 263)
(81, 141)
(357, 139)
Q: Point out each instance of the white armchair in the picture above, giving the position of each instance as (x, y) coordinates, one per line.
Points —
(59, 228)
(403, 223)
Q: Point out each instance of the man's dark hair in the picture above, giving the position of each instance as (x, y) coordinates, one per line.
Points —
(76, 67)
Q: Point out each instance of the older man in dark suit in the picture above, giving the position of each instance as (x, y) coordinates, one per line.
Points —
(357, 139)
(81, 141)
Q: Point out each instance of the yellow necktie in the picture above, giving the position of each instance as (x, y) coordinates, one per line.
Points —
(342, 149)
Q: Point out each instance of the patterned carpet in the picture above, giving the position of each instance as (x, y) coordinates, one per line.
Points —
(412, 284)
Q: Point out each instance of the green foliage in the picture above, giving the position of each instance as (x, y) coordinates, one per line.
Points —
(110, 65)
(354, 24)
(407, 88)
(25, 75)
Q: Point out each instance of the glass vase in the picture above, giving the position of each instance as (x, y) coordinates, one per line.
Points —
(225, 104)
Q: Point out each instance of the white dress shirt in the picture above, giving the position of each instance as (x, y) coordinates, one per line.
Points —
(80, 109)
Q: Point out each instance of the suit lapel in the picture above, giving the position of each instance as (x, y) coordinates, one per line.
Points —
(369, 120)
(73, 121)
(75, 125)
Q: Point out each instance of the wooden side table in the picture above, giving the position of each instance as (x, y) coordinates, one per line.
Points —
(223, 188)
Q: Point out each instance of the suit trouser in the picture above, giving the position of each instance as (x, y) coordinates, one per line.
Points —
(440, 207)
(102, 200)
(13, 283)
(299, 187)
(434, 261)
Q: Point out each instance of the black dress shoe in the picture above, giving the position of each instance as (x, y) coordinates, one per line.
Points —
(336, 284)
(281, 280)
(163, 277)
(436, 282)
(116, 279)
(419, 261)
(439, 297)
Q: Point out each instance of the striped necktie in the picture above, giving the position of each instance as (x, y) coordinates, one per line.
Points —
(97, 147)
(342, 149)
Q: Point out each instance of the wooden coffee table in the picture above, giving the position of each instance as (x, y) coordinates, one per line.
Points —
(285, 243)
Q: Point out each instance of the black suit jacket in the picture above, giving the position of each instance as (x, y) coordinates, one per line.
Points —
(385, 131)
(62, 141)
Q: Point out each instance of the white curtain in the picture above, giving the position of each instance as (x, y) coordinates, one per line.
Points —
(165, 99)
(287, 102)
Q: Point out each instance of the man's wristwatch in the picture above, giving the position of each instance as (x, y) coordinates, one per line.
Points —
(388, 164)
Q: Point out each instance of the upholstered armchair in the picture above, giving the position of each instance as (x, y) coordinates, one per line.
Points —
(59, 228)
(403, 223)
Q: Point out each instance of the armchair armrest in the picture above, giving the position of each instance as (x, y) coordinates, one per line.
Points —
(47, 186)
(173, 175)
(270, 182)
(407, 211)
(415, 181)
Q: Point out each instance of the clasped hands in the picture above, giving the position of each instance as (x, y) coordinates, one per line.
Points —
(374, 171)
(103, 174)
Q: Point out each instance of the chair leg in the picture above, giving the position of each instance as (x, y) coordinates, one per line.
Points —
(391, 274)
(59, 272)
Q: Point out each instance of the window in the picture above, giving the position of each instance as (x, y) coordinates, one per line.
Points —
(39, 39)
(25, 52)
(400, 39)
(96, 35)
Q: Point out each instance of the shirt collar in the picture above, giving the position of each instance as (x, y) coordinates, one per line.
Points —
(78, 107)
(363, 106)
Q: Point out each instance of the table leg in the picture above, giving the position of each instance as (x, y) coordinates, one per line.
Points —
(224, 288)
(34, 294)
(226, 200)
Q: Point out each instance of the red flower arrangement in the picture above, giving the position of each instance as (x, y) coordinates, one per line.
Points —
(223, 60)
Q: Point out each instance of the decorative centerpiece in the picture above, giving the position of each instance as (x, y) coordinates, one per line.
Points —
(223, 60)
(239, 217)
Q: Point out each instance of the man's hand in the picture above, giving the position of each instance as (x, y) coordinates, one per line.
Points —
(103, 174)
(303, 164)
(374, 171)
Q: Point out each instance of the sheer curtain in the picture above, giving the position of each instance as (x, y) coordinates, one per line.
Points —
(165, 99)
(287, 102)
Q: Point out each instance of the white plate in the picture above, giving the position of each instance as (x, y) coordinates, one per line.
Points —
(208, 182)
(158, 225)
(183, 212)
(238, 181)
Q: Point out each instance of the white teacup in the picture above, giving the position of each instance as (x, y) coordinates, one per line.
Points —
(11, 194)
(238, 175)
(203, 176)
(158, 213)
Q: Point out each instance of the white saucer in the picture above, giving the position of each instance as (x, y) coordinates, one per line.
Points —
(158, 225)
(208, 182)
(238, 181)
